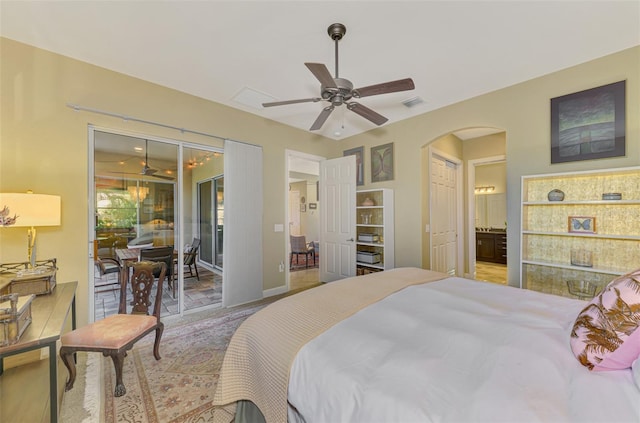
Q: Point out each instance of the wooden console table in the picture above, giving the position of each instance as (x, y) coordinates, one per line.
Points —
(50, 314)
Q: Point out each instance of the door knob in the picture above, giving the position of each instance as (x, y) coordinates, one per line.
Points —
(350, 240)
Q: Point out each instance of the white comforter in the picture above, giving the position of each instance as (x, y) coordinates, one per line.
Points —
(456, 351)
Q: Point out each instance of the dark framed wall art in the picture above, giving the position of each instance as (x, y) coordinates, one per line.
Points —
(588, 124)
(359, 153)
(382, 163)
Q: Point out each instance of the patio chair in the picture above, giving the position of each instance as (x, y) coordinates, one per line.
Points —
(190, 256)
(299, 246)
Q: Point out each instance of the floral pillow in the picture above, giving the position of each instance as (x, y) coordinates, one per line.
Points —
(605, 335)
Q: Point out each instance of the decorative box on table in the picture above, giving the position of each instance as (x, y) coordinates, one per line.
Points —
(24, 281)
(15, 317)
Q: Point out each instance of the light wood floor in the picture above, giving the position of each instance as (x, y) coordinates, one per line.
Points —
(304, 278)
(491, 272)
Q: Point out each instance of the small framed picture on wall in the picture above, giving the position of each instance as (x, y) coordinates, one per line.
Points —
(382, 163)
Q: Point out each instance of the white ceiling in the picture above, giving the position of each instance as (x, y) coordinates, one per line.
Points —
(219, 50)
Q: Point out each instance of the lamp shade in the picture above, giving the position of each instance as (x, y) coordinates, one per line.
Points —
(32, 209)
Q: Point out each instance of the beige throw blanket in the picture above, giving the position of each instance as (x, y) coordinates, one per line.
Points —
(257, 362)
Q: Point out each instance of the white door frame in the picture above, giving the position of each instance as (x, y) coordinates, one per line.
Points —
(431, 151)
(471, 201)
(288, 154)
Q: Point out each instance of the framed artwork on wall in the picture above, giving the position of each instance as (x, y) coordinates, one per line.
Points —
(589, 124)
(382, 163)
(359, 153)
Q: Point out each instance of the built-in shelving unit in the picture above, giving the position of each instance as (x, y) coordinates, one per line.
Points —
(374, 230)
(553, 253)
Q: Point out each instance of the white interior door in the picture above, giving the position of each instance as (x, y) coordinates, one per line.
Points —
(338, 218)
(444, 212)
(294, 213)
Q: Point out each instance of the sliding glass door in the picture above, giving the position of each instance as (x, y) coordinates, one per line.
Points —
(218, 187)
(201, 169)
(211, 218)
(143, 200)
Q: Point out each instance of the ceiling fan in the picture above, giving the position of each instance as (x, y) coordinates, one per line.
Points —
(146, 169)
(338, 91)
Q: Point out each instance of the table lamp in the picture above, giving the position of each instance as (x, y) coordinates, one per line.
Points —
(31, 210)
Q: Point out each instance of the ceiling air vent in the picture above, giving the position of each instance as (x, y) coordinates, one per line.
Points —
(413, 101)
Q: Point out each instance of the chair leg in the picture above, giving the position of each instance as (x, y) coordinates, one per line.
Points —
(291, 261)
(118, 363)
(195, 266)
(156, 344)
(67, 358)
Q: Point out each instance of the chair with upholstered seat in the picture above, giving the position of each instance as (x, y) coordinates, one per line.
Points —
(299, 246)
(165, 255)
(114, 335)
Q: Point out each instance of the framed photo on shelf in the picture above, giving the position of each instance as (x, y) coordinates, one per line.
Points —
(359, 153)
(582, 224)
(589, 124)
(382, 163)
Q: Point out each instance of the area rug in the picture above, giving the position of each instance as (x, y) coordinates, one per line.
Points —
(300, 262)
(180, 386)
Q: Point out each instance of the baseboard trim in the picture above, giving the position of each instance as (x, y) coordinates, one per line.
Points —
(274, 291)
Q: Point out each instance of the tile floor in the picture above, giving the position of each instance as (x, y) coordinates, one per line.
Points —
(197, 293)
(491, 272)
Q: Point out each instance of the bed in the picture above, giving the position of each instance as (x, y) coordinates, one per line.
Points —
(412, 345)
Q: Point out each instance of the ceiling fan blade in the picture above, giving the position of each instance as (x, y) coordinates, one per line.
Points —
(367, 113)
(282, 103)
(322, 118)
(321, 72)
(384, 88)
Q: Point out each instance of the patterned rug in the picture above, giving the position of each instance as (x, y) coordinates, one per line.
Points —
(180, 386)
(300, 262)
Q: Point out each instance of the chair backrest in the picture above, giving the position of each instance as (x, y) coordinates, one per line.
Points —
(96, 259)
(298, 244)
(161, 254)
(191, 255)
(141, 284)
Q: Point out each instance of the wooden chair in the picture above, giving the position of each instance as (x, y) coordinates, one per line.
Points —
(114, 335)
(106, 266)
(299, 246)
(190, 257)
(165, 255)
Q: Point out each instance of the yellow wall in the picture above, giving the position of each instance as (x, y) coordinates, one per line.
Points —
(522, 110)
(44, 147)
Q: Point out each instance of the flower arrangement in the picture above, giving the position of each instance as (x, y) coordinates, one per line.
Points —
(5, 219)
